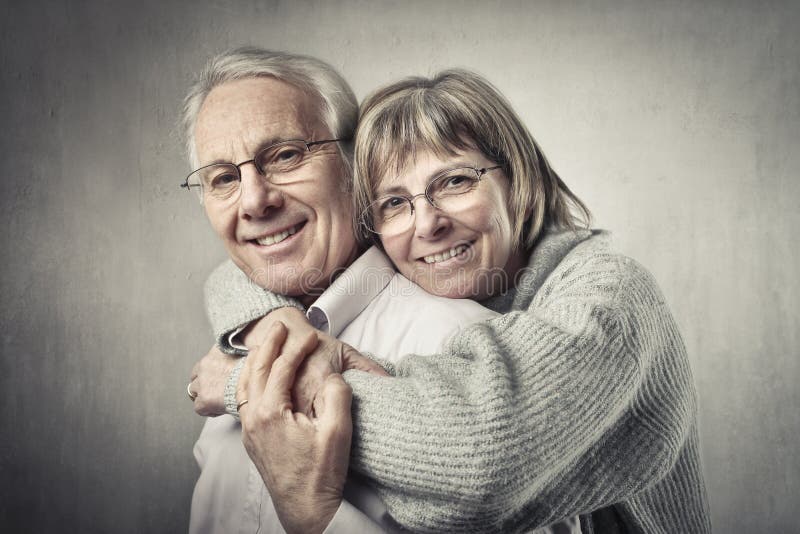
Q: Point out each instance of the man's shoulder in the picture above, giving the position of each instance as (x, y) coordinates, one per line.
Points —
(404, 319)
(224, 276)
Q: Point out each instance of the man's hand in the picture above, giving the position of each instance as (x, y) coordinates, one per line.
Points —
(330, 355)
(303, 460)
(208, 379)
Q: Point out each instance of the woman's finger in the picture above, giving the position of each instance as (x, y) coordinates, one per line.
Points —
(352, 359)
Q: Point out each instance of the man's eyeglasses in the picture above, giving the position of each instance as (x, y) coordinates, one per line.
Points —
(448, 191)
(277, 163)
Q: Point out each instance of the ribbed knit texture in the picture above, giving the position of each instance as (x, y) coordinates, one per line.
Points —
(233, 301)
(229, 395)
(577, 399)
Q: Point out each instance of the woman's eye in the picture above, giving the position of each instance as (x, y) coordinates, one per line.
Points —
(392, 202)
(457, 181)
(392, 206)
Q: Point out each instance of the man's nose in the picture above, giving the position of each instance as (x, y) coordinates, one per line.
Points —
(257, 195)
(430, 222)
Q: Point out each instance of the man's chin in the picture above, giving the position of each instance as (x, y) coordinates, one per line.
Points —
(292, 280)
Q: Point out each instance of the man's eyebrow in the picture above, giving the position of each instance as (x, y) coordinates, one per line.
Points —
(272, 141)
(259, 147)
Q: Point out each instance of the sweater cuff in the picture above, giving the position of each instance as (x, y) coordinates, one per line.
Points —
(233, 301)
(230, 389)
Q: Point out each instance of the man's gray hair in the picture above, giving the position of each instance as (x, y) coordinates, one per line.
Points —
(336, 100)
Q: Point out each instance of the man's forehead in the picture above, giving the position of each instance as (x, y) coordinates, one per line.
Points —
(240, 116)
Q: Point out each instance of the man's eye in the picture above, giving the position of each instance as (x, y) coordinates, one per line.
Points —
(224, 180)
(285, 157)
(288, 154)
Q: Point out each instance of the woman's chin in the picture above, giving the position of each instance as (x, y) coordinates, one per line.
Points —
(457, 286)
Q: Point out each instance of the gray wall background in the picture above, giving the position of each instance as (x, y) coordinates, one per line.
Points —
(678, 123)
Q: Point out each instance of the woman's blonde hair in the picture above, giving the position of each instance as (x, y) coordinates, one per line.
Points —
(459, 110)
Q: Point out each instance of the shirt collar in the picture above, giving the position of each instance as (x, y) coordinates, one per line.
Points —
(351, 292)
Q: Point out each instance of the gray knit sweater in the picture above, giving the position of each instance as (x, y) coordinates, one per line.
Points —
(578, 400)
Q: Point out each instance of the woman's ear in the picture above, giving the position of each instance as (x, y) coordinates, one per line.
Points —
(528, 213)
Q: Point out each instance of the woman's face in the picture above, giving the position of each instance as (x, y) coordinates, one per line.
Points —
(465, 253)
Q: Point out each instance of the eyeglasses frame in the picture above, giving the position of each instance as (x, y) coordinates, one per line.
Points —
(238, 166)
(410, 199)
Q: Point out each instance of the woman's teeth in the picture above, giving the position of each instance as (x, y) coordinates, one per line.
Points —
(446, 255)
(277, 238)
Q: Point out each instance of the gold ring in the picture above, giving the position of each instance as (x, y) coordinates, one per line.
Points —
(239, 406)
(192, 396)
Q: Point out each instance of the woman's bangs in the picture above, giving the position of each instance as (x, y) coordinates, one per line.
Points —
(417, 124)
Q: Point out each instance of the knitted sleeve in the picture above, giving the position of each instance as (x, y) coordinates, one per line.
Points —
(579, 401)
(233, 301)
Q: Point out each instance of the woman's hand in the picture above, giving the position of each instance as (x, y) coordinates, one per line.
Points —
(330, 355)
(302, 459)
(208, 379)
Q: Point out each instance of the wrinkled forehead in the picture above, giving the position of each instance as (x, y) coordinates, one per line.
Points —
(241, 116)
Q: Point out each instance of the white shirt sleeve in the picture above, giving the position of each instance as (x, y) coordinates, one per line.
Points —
(348, 518)
(234, 342)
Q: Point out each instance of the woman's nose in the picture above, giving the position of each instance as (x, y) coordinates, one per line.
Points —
(430, 222)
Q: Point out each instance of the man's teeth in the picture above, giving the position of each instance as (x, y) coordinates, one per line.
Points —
(446, 255)
(277, 238)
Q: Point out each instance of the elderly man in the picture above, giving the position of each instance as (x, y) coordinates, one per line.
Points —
(269, 135)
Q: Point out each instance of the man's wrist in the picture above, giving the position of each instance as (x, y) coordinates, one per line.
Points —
(318, 520)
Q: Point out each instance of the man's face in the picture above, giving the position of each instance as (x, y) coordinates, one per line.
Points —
(290, 238)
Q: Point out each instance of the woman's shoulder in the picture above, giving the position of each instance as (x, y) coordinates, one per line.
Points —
(594, 267)
(598, 253)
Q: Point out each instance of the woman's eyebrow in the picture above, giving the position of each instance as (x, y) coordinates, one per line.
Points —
(391, 190)
(452, 165)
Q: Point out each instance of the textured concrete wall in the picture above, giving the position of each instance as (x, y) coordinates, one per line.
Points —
(677, 122)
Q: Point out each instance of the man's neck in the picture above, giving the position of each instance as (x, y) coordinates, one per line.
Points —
(313, 294)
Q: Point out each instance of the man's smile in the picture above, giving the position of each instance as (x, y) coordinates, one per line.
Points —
(277, 237)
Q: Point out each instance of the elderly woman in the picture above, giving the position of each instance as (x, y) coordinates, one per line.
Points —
(576, 400)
